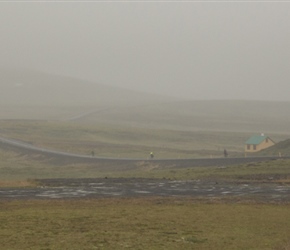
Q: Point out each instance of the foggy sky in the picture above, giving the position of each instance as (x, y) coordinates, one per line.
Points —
(197, 50)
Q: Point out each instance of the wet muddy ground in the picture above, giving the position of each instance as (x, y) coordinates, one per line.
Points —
(121, 187)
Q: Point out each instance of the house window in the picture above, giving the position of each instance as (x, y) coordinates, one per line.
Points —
(248, 146)
(254, 147)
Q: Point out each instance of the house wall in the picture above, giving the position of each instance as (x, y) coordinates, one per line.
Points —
(264, 144)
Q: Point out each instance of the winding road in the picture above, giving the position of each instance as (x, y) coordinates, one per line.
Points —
(195, 162)
(136, 187)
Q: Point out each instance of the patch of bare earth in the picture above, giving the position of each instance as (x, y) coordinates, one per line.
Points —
(25, 183)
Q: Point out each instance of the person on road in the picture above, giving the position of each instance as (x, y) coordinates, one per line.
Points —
(225, 153)
(151, 155)
(93, 153)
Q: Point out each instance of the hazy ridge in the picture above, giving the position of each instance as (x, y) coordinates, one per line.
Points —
(33, 88)
(237, 116)
(37, 95)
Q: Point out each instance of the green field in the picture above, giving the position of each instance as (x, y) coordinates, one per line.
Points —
(155, 223)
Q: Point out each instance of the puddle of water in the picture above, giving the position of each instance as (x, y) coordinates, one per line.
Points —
(226, 192)
(142, 192)
(254, 191)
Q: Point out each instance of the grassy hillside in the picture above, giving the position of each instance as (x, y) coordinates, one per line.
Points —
(282, 147)
(123, 141)
(126, 141)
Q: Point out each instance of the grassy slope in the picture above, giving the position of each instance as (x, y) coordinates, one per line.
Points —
(126, 141)
(121, 141)
(143, 224)
(282, 147)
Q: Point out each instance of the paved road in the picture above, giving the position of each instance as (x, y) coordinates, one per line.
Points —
(70, 157)
(94, 188)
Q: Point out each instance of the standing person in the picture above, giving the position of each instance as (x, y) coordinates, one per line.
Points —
(225, 153)
(93, 153)
(151, 155)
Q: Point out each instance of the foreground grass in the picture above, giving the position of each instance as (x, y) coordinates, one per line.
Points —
(271, 171)
(142, 224)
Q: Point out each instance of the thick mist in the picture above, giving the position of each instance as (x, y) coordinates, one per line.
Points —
(195, 50)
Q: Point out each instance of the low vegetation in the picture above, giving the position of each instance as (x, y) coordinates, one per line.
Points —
(155, 223)
(126, 142)
(281, 148)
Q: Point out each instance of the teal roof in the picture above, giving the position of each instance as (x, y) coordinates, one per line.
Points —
(256, 139)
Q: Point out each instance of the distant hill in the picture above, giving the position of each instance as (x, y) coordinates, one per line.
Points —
(239, 116)
(282, 147)
(36, 95)
(26, 94)
(30, 88)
